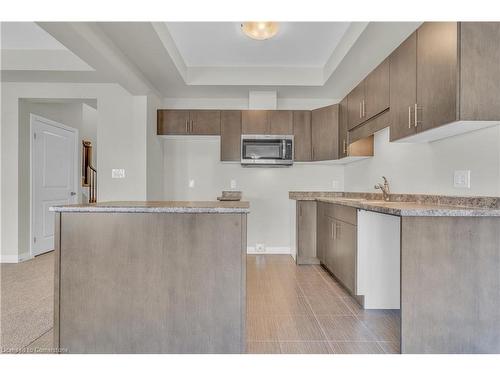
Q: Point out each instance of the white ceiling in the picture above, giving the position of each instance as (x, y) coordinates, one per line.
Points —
(146, 57)
(28, 35)
(25, 46)
(223, 44)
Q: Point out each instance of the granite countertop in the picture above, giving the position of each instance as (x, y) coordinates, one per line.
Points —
(409, 204)
(221, 207)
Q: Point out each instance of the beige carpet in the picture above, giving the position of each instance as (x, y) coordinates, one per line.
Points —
(26, 302)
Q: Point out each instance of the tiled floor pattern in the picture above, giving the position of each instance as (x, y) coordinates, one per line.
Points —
(302, 309)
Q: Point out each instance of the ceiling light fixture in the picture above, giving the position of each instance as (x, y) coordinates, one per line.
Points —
(260, 30)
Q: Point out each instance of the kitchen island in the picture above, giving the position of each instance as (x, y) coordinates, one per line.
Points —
(150, 277)
(439, 256)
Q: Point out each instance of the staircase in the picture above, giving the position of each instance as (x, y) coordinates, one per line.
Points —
(89, 173)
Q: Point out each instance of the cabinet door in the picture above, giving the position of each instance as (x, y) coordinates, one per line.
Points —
(403, 88)
(302, 135)
(230, 140)
(343, 129)
(306, 232)
(325, 130)
(281, 122)
(330, 248)
(204, 122)
(345, 256)
(355, 105)
(322, 232)
(377, 90)
(172, 122)
(437, 74)
(255, 122)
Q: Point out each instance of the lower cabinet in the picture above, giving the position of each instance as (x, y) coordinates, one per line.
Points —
(337, 242)
(306, 232)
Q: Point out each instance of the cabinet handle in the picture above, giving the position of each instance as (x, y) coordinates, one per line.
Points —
(187, 126)
(364, 113)
(409, 117)
(360, 110)
(192, 126)
(416, 115)
(345, 146)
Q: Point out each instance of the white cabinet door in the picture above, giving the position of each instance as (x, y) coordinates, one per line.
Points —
(378, 260)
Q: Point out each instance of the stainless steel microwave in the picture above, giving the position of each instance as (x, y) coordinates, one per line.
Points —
(266, 150)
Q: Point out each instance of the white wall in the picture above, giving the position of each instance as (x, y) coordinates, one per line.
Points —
(266, 189)
(428, 168)
(122, 144)
(154, 167)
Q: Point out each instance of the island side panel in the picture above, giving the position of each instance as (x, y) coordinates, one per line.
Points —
(450, 285)
(57, 273)
(243, 302)
(152, 283)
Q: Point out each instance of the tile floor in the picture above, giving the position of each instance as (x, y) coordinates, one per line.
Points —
(302, 309)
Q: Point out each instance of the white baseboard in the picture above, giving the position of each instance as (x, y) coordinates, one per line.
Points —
(25, 256)
(15, 258)
(270, 250)
(9, 259)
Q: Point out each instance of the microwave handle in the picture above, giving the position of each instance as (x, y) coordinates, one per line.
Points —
(283, 149)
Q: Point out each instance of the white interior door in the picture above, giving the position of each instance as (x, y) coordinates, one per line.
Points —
(53, 177)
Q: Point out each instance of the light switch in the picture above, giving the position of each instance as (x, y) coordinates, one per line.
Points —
(191, 184)
(118, 173)
(461, 179)
(233, 184)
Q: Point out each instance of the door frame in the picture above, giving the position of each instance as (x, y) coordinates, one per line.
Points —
(55, 124)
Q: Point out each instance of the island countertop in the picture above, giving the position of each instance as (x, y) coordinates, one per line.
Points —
(221, 207)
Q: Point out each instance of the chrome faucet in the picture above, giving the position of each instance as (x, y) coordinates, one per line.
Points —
(385, 189)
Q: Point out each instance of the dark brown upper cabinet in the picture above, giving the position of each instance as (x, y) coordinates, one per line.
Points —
(343, 129)
(355, 105)
(403, 88)
(325, 132)
(302, 135)
(171, 122)
(437, 80)
(267, 122)
(281, 122)
(370, 97)
(377, 91)
(186, 122)
(230, 139)
(205, 122)
(452, 71)
(255, 122)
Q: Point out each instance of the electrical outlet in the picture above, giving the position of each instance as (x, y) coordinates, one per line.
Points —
(233, 184)
(118, 173)
(260, 248)
(191, 184)
(461, 179)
